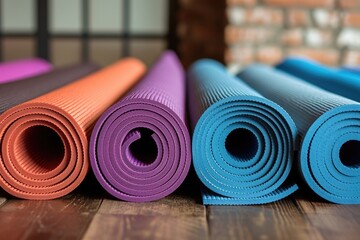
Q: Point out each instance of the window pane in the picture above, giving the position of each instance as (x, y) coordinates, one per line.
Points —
(105, 51)
(65, 51)
(18, 16)
(65, 16)
(105, 16)
(147, 50)
(148, 16)
(17, 48)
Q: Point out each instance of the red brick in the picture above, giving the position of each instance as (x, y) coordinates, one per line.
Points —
(269, 54)
(298, 17)
(326, 18)
(352, 57)
(349, 3)
(242, 2)
(325, 56)
(352, 19)
(300, 3)
(292, 37)
(239, 55)
(317, 38)
(247, 35)
(256, 16)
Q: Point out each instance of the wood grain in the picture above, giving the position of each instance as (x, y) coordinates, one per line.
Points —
(174, 217)
(279, 220)
(65, 218)
(2, 201)
(332, 220)
(3, 197)
(86, 215)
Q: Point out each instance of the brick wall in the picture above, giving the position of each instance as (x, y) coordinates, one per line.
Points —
(268, 30)
(200, 29)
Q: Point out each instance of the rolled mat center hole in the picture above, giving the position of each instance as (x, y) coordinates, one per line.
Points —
(350, 153)
(144, 150)
(241, 143)
(39, 149)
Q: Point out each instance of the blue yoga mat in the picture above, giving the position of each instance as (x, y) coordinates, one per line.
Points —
(353, 69)
(329, 130)
(242, 142)
(334, 80)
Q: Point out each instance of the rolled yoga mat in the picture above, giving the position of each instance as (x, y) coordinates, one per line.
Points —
(16, 70)
(329, 128)
(14, 93)
(44, 142)
(140, 148)
(353, 69)
(242, 143)
(333, 80)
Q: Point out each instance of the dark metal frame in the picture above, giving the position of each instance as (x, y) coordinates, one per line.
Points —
(43, 36)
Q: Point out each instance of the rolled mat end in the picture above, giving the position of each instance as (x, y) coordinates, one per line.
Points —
(329, 128)
(44, 141)
(43, 154)
(140, 147)
(330, 155)
(242, 142)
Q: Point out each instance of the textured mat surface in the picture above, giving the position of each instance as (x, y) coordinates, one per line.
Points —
(333, 80)
(355, 70)
(140, 148)
(16, 70)
(45, 141)
(242, 143)
(329, 128)
(14, 93)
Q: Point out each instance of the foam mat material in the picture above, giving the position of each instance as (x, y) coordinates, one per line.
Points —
(330, 79)
(329, 131)
(44, 141)
(242, 142)
(14, 93)
(352, 69)
(18, 69)
(140, 148)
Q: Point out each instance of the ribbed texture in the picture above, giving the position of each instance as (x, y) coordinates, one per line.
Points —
(242, 143)
(333, 80)
(19, 69)
(45, 140)
(14, 93)
(140, 147)
(329, 126)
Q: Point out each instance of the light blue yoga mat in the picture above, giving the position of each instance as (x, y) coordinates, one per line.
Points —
(334, 80)
(329, 128)
(352, 69)
(242, 142)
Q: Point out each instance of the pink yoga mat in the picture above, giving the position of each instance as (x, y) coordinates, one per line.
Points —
(19, 69)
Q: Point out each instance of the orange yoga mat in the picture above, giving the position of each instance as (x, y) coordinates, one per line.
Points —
(44, 142)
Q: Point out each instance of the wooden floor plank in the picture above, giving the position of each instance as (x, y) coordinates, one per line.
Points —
(279, 220)
(2, 201)
(3, 197)
(65, 218)
(174, 217)
(332, 220)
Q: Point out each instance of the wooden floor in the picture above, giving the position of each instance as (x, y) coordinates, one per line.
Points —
(90, 213)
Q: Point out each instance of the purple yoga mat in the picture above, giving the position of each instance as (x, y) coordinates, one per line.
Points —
(140, 147)
(25, 68)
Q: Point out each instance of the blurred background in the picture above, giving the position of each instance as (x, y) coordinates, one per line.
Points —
(236, 32)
